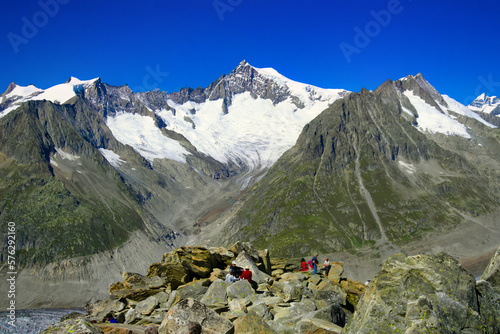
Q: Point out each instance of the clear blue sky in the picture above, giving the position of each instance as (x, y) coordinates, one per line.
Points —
(327, 43)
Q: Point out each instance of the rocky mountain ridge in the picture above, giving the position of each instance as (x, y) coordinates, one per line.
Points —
(180, 168)
(410, 294)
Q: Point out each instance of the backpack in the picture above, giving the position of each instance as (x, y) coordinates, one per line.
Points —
(311, 264)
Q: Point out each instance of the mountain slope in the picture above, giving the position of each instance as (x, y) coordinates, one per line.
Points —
(372, 168)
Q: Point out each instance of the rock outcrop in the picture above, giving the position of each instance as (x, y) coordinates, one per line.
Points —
(492, 271)
(413, 294)
(424, 293)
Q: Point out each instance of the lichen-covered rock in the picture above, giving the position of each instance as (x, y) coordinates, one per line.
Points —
(245, 260)
(174, 274)
(240, 290)
(100, 309)
(216, 293)
(417, 294)
(193, 290)
(336, 271)
(317, 326)
(492, 271)
(192, 311)
(147, 306)
(251, 323)
(134, 286)
(75, 326)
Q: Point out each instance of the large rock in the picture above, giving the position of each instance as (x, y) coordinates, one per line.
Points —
(76, 326)
(174, 274)
(317, 326)
(492, 271)
(216, 293)
(192, 311)
(100, 309)
(336, 271)
(147, 306)
(244, 260)
(240, 290)
(134, 287)
(198, 261)
(251, 323)
(240, 247)
(420, 294)
(194, 290)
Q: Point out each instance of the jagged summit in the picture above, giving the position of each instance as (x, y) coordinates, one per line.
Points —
(486, 104)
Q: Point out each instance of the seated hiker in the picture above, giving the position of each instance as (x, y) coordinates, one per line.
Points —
(326, 266)
(303, 265)
(246, 274)
(231, 278)
(235, 270)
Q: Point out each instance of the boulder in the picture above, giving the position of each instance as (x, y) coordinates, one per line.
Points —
(317, 326)
(226, 256)
(77, 326)
(147, 306)
(240, 290)
(216, 293)
(134, 287)
(194, 290)
(174, 274)
(192, 311)
(420, 293)
(240, 247)
(265, 259)
(100, 309)
(261, 310)
(198, 261)
(336, 271)
(251, 323)
(489, 302)
(244, 260)
(492, 271)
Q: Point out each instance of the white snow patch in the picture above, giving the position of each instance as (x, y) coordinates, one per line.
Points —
(306, 93)
(433, 121)
(253, 131)
(67, 156)
(113, 158)
(24, 91)
(63, 92)
(52, 162)
(463, 110)
(409, 168)
(145, 137)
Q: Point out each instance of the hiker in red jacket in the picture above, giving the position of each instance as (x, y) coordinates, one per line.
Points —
(247, 274)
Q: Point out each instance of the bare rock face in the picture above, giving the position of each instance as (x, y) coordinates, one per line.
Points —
(492, 271)
(423, 293)
(190, 311)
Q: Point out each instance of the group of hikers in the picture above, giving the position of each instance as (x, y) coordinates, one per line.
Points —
(313, 264)
(237, 273)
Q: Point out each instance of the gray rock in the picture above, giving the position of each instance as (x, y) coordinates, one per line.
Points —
(147, 306)
(192, 311)
(79, 326)
(216, 293)
(244, 260)
(492, 271)
(131, 316)
(240, 290)
(312, 325)
(261, 310)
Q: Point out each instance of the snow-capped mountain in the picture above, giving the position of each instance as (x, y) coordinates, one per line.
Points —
(248, 118)
(101, 166)
(486, 104)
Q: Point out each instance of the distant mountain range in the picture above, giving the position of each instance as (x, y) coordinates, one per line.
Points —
(112, 178)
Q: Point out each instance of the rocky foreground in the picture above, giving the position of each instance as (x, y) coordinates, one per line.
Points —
(186, 292)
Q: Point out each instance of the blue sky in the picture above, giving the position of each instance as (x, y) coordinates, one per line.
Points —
(331, 44)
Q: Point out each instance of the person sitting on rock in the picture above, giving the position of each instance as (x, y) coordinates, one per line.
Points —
(303, 265)
(235, 270)
(247, 274)
(326, 266)
(231, 279)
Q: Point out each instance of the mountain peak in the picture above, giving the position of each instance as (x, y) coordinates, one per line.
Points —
(9, 89)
